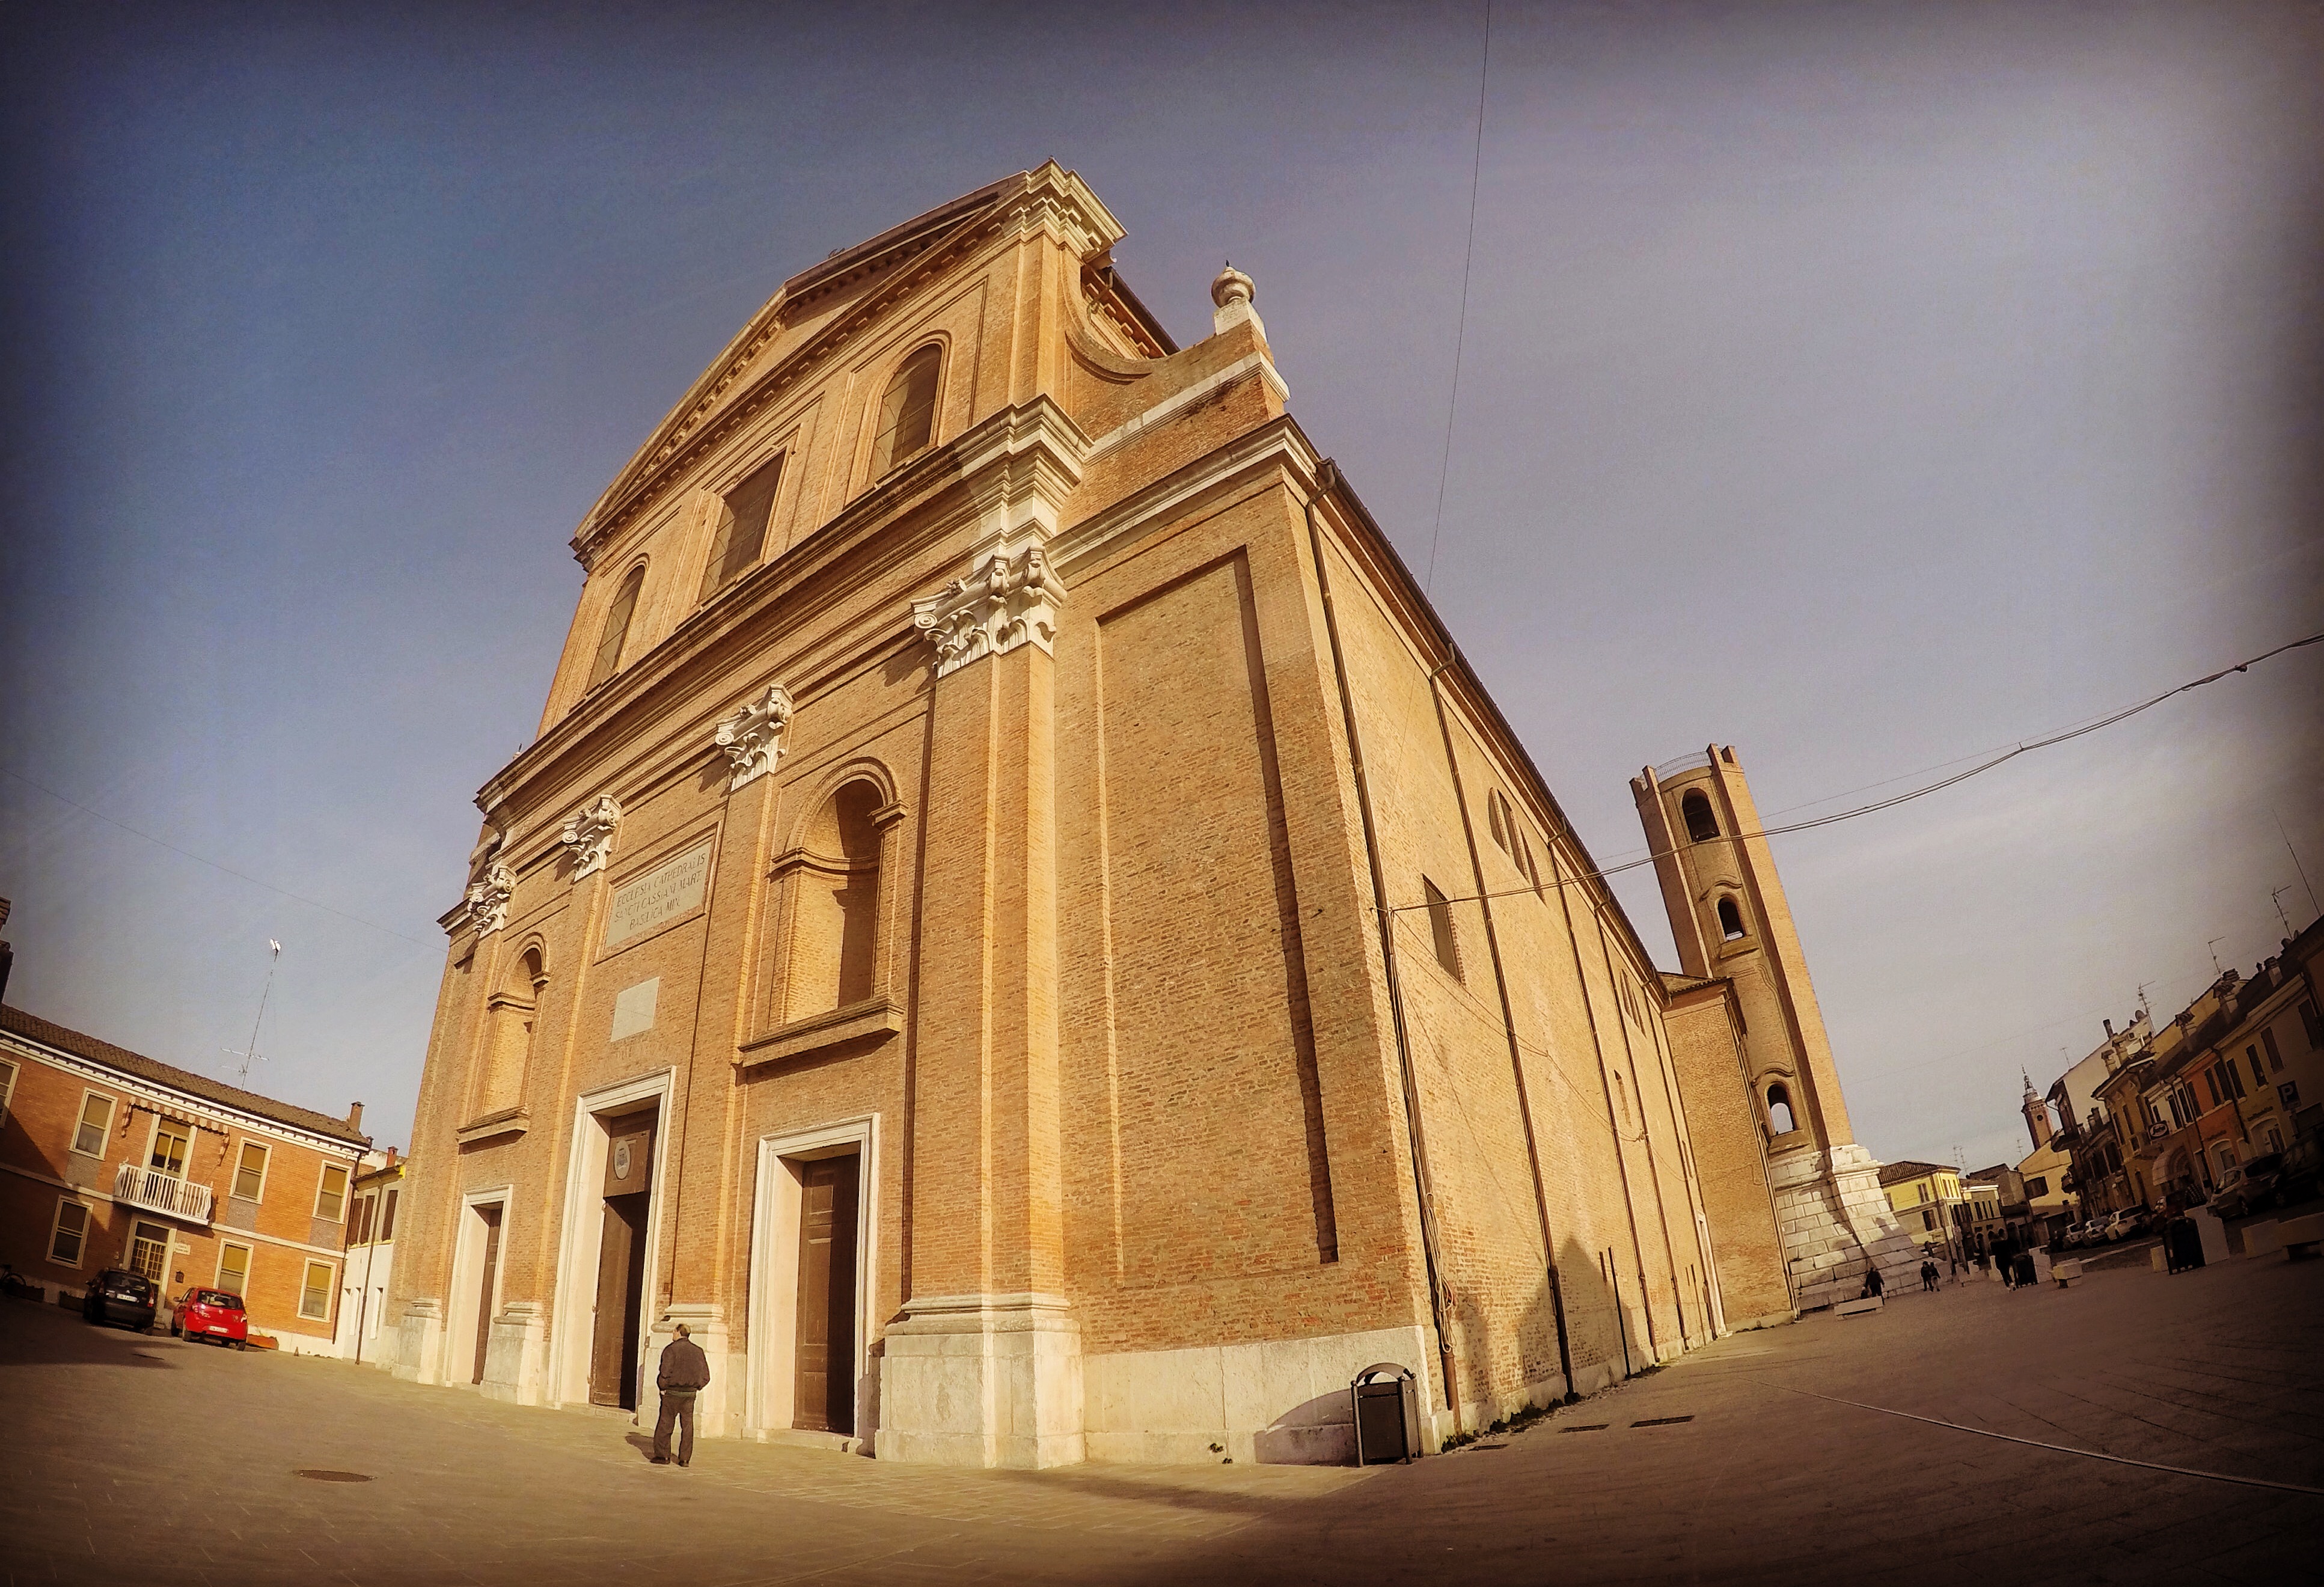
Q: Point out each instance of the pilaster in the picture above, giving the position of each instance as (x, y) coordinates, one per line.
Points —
(984, 1368)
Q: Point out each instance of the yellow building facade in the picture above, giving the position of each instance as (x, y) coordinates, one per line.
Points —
(1022, 931)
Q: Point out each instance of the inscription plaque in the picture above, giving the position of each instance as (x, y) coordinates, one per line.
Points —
(669, 890)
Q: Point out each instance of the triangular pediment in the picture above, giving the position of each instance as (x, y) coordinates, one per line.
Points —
(811, 310)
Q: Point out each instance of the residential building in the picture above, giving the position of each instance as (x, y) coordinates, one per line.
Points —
(1930, 1204)
(371, 1256)
(1020, 929)
(110, 1159)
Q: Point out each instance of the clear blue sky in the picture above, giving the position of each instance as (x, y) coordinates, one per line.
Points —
(1864, 386)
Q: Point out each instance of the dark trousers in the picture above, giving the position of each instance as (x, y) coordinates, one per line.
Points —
(676, 1407)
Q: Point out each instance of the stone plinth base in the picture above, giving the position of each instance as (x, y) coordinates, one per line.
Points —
(1278, 1402)
(516, 1355)
(419, 1348)
(982, 1380)
(1836, 1221)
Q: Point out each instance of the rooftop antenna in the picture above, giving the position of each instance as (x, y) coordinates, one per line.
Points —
(2276, 898)
(250, 1054)
(2217, 968)
(2142, 1001)
(2296, 864)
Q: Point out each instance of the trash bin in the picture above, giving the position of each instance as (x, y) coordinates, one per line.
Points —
(1386, 1400)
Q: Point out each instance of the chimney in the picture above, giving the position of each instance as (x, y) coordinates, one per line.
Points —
(354, 1116)
(2109, 1024)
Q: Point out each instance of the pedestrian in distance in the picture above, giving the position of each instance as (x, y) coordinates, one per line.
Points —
(1873, 1283)
(685, 1373)
(1928, 1275)
(2025, 1277)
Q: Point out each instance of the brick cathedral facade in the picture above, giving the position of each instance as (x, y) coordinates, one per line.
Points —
(1022, 931)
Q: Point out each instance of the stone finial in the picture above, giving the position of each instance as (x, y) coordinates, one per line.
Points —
(488, 899)
(589, 834)
(752, 737)
(1234, 291)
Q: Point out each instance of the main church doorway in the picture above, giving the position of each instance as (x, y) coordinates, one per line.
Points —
(822, 1394)
(627, 1196)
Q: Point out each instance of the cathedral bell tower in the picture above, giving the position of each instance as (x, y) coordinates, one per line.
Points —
(1729, 915)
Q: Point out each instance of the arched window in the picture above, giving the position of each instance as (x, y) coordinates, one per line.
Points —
(1494, 807)
(1701, 826)
(908, 411)
(742, 526)
(835, 932)
(617, 627)
(1779, 1111)
(509, 1018)
(1730, 920)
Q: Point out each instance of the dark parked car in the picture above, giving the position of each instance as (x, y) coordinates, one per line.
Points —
(214, 1315)
(2249, 1187)
(117, 1295)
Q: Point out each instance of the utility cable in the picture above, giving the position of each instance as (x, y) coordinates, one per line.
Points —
(1894, 800)
(1461, 331)
(213, 865)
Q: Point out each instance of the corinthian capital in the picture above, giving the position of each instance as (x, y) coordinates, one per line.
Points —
(1010, 598)
(488, 899)
(589, 834)
(752, 737)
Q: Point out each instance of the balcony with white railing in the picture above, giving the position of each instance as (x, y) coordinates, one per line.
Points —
(162, 1192)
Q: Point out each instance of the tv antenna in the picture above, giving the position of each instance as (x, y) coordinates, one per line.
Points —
(2276, 898)
(2213, 946)
(250, 1054)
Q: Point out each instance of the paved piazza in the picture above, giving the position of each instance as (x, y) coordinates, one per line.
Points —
(140, 1458)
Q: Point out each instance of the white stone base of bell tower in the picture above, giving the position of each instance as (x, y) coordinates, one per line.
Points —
(1835, 1222)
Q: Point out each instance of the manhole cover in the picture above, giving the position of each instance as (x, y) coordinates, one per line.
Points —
(1661, 1421)
(1586, 1427)
(332, 1476)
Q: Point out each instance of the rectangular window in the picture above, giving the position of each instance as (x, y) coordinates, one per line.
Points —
(250, 1171)
(2038, 1186)
(170, 1144)
(233, 1268)
(149, 1250)
(387, 1213)
(2311, 1022)
(1928, 1219)
(1923, 1189)
(2266, 1038)
(96, 1123)
(743, 526)
(2259, 1075)
(8, 1087)
(2227, 1158)
(359, 1233)
(331, 1194)
(2212, 1079)
(2235, 1077)
(69, 1234)
(315, 1294)
(1440, 923)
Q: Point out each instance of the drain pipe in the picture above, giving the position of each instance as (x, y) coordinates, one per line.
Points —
(1327, 481)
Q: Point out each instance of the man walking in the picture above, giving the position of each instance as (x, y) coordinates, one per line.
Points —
(685, 1373)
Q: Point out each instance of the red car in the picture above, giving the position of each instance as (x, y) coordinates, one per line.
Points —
(214, 1315)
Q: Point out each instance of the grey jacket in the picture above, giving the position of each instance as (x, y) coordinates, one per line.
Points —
(683, 1366)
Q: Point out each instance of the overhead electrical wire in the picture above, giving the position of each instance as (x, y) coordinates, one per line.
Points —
(2009, 754)
(1460, 326)
(213, 865)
